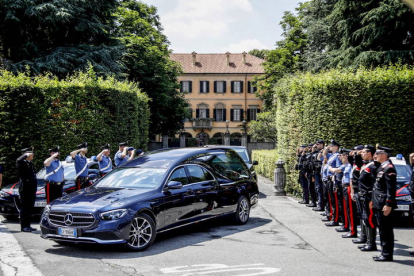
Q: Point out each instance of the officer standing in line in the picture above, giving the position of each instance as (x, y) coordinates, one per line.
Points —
(27, 188)
(325, 155)
(317, 164)
(54, 175)
(411, 187)
(124, 154)
(366, 182)
(104, 160)
(302, 174)
(310, 175)
(356, 161)
(383, 201)
(334, 183)
(81, 165)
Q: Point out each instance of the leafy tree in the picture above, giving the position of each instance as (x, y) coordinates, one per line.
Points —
(259, 53)
(59, 36)
(264, 128)
(148, 62)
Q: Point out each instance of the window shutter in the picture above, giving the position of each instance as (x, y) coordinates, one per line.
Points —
(232, 86)
(254, 89)
(197, 113)
(248, 115)
(224, 86)
(214, 114)
(241, 114)
(231, 115)
(208, 87)
(215, 86)
(258, 110)
(191, 86)
(181, 86)
(224, 115)
(208, 113)
(201, 87)
(241, 87)
(249, 87)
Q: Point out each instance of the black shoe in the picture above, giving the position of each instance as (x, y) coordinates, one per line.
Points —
(362, 245)
(28, 229)
(341, 229)
(369, 248)
(412, 253)
(326, 219)
(303, 202)
(359, 240)
(381, 258)
(317, 209)
(311, 205)
(349, 235)
(323, 214)
(332, 223)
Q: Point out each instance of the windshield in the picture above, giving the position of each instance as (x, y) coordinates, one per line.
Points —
(403, 172)
(69, 172)
(142, 178)
(243, 155)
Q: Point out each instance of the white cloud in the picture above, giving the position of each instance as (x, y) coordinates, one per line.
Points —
(244, 45)
(195, 19)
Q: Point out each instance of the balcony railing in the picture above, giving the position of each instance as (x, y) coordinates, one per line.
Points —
(202, 124)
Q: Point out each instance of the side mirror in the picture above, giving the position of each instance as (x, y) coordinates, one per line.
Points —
(174, 185)
(255, 163)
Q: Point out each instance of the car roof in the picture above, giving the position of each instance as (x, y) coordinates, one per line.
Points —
(168, 157)
(226, 147)
(396, 161)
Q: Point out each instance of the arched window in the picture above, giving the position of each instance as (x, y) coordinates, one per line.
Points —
(235, 139)
(202, 111)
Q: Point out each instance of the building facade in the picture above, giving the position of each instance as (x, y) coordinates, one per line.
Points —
(221, 97)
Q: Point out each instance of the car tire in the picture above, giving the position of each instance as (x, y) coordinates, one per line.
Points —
(243, 210)
(142, 233)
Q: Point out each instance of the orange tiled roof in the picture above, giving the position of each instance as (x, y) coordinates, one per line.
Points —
(217, 63)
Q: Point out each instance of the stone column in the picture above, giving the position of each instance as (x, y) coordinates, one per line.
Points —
(244, 140)
(182, 141)
(227, 139)
(165, 141)
(280, 178)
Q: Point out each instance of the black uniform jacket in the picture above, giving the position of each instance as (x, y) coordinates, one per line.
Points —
(385, 186)
(411, 187)
(27, 175)
(367, 177)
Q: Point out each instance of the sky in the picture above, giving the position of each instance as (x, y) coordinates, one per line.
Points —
(218, 26)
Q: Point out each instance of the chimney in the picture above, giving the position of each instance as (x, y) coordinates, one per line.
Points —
(194, 58)
(228, 58)
(244, 57)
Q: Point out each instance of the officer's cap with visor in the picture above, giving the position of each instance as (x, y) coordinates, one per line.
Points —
(55, 149)
(107, 146)
(335, 143)
(304, 146)
(130, 148)
(122, 144)
(310, 145)
(344, 151)
(359, 147)
(320, 142)
(381, 149)
(370, 148)
(27, 150)
(83, 145)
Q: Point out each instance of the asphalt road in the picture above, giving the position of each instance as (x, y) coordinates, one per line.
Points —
(281, 238)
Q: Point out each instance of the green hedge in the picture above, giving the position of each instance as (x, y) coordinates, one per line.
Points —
(366, 106)
(44, 111)
(267, 162)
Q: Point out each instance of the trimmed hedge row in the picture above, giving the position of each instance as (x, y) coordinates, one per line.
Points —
(44, 111)
(366, 106)
(267, 162)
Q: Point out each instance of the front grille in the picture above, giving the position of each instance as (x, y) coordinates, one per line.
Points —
(83, 220)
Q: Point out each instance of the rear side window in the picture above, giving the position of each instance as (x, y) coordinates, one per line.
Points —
(230, 165)
(180, 176)
(197, 174)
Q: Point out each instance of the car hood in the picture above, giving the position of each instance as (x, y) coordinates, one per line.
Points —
(95, 198)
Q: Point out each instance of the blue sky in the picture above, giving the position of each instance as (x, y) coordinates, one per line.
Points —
(218, 26)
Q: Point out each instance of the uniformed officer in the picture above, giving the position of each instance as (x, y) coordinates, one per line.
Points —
(365, 185)
(124, 154)
(325, 155)
(54, 175)
(27, 188)
(310, 174)
(334, 181)
(104, 160)
(383, 201)
(302, 166)
(81, 165)
(411, 187)
(317, 159)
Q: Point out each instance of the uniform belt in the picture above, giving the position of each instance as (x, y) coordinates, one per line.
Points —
(83, 177)
(55, 183)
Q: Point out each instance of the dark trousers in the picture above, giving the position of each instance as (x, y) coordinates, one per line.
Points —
(304, 183)
(327, 199)
(335, 194)
(319, 190)
(350, 217)
(386, 232)
(81, 183)
(53, 191)
(369, 221)
(311, 187)
(331, 198)
(359, 207)
(27, 201)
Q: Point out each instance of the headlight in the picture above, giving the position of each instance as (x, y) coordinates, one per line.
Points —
(46, 211)
(113, 215)
(4, 194)
(404, 198)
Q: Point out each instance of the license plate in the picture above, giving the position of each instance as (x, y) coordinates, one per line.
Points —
(40, 204)
(67, 232)
(403, 208)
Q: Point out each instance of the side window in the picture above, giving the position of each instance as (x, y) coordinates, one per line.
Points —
(208, 175)
(180, 176)
(197, 174)
(229, 165)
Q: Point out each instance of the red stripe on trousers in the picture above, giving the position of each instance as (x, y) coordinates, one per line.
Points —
(351, 212)
(78, 186)
(346, 223)
(330, 207)
(48, 192)
(336, 206)
(371, 214)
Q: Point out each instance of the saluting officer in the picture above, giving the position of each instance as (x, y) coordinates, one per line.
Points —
(317, 159)
(334, 184)
(302, 165)
(365, 185)
(383, 201)
(54, 175)
(104, 160)
(310, 174)
(326, 154)
(27, 188)
(124, 154)
(81, 165)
